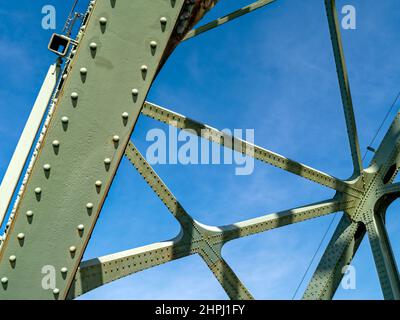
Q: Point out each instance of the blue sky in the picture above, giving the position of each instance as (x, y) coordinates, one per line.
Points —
(271, 71)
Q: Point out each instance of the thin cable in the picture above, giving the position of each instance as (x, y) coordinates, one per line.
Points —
(383, 122)
(314, 256)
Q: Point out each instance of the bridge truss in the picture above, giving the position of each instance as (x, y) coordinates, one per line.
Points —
(100, 93)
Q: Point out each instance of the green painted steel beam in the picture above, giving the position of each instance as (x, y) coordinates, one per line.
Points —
(383, 256)
(227, 18)
(387, 157)
(283, 218)
(392, 189)
(99, 271)
(115, 63)
(207, 132)
(338, 254)
(334, 29)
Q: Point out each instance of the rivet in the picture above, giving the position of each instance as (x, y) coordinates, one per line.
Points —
(56, 291)
(103, 20)
(12, 258)
(46, 167)
(107, 161)
(73, 52)
(143, 68)
(38, 191)
(93, 46)
(4, 280)
(135, 92)
(81, 227)
(116, 138)
(21, 236)
(125, 115)
(83, 71)
(56, 143)
(89, 205)
(65, 76)
(163, 20)
(29, 213)
(64, 270)
(64, 119)
(98, 183)
(153, 44)
(72, 249)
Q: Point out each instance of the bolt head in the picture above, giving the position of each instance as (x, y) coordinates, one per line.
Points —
(72, 249)
(64, 119)
(163, 20)
(153, 44)
(46, 167)
(98, 183)
(107, 161)
(56, 143)
(143, 68)
(135, 92)
(64, 270)
(38, 191)
(93, 46)
(74, 95)
(56, 291)
(4, 280)
(29, 213)
(103, 20)
(21, 236)
(83, 71)
(12, 258)
(116, 138)
(81, 227)
(89, 205)
(125, 115)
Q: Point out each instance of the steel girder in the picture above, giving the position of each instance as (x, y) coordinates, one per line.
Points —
(84, 140)
(95, 112)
